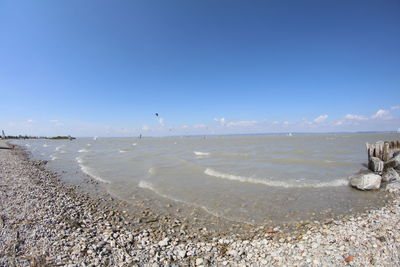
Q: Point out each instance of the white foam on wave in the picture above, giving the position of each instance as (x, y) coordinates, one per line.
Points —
(123, 151)
(27, 145)
(53, 157)
(152, 171)
(88, 144)
(89, 171)
(59, 148)
(147, 185)
(134, 144)
(45, 145)
(251, 180)
(83, 151)
(202, 154)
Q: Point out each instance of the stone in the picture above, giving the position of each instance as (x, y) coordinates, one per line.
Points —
(393, 162)
(232, 252)
(393, 186)
(182, 253)
(365, 180)
(199, 261)
(375, 164)
(390, 174)
(163, 242)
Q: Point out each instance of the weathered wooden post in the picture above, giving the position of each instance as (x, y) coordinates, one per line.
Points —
(381, 152)
(385, 154)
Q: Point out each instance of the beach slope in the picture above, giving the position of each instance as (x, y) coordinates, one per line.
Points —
(45, 222)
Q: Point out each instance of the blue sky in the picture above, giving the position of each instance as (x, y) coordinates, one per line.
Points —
(105, 68)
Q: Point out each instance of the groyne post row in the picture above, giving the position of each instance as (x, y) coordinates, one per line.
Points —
(383, 150)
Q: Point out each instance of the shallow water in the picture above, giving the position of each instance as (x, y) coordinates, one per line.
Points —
(254, 179)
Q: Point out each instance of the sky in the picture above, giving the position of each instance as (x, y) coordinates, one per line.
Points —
(104, 68)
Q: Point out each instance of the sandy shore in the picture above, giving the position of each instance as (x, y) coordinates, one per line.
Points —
(46, 222)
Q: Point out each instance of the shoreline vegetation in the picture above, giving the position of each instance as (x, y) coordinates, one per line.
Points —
(11, 137)
(61, 138)
(44, 221)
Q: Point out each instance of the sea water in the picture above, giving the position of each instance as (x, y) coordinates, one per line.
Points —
(253, 179)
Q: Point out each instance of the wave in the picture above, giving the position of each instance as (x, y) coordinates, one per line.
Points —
(293, 151)
(52, 157)
(88, 144)
(83, 151)
(123, 151)
(234, 155)
(59, 148)
(27, 145)
(315, 162)
(89, 171)
(152, 171)
(134, 144)
(251, 180)
(202, 154)
(147, 185)
(45, 145)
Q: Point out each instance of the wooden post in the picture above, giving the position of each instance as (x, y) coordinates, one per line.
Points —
(385, 152)
(382, 150)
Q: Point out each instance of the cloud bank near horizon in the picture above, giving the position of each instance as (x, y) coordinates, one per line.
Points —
(381, 120)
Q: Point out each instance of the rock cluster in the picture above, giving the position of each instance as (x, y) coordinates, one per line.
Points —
(44, 222)
(380, 173)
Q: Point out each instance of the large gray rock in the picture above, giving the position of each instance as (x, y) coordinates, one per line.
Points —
(365, 180)
(390, 174)
(375, 164)
(393, 162)
(393, 186)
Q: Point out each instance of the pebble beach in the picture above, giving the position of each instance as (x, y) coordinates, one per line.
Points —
(44, 221)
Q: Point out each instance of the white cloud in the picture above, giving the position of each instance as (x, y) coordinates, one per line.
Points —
(321, 118)
(242, 123)
(198, 126)
(145, 128)
(286, 123)
(355, 117)
(57, 122)
(185, 126)
(221, 121)
(380, 114)
(161, 121)
(338, 123)
(30, 121)
(395, 108)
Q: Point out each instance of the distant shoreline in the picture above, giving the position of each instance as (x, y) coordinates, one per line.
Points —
(250, 134)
